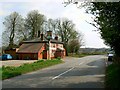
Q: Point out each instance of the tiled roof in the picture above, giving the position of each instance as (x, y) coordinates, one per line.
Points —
(30, 48)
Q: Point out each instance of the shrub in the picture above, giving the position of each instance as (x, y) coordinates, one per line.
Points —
(58, 58)
(112, 76)
(39, 61)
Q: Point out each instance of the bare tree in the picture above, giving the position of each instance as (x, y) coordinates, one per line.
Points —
(13, 24)
(52, 26)
(33, 23)
(66, 31)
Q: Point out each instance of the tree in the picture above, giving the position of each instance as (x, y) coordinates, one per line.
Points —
(52, 25)
(107, 21)
(75, 44)
(13, 24)
(33, 23)
(67, 32)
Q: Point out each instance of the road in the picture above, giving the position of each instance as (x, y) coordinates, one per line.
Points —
(86, 72)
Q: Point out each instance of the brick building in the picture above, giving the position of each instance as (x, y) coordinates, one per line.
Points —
(41, 48)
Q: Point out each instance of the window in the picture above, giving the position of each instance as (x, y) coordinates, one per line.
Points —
(53, 45)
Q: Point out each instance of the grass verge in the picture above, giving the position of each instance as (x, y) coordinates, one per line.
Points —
(85, 54)
(9, 71)
(0, 73)
(77, 55)
(113, 77)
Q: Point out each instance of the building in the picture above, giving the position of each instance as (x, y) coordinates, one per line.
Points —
(41, 48)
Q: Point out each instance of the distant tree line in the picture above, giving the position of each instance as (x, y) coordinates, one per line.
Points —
(18, 29)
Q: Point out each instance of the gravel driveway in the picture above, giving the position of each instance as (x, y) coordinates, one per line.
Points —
(15, 62)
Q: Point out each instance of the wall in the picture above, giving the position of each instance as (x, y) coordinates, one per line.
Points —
(59, 54)
(53, 48)
(40, 53)
(28, 56)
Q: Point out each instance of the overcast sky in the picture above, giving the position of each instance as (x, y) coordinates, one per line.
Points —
(54, 9)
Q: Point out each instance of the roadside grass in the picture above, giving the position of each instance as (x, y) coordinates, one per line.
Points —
(84, 54)
(77, 55)
(113, 77)
(10, 71)
(0, 73)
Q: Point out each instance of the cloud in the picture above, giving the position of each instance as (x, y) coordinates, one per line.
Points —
(50, 8)
(2, 12)
(93, 39)
(41, 1)
(5, 8)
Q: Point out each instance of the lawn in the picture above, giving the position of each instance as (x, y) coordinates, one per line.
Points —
(113, 76)
(9, 71)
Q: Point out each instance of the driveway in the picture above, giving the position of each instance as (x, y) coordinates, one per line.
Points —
(86, 72)
(15, 62)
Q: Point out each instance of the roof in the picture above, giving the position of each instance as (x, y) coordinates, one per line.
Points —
(38, 40)
(30, 48)
(55, 41)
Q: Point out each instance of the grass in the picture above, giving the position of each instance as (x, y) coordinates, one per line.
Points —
(77, 55)
(113, 76)
(85, 54)
(0, 73)
(10, 71)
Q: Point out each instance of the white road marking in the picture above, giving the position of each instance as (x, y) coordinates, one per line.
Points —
(81, 63)
(62, 73)
(65, 72)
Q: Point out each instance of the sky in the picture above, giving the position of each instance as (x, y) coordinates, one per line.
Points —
(55, 9)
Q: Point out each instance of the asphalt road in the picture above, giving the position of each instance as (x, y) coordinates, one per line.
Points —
(86, 72)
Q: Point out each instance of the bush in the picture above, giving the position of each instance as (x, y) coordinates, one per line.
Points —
(113, 76)
(39, 61)
(58, 58)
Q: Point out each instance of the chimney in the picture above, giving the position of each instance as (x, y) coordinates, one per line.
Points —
(49, 33)
(38, 33)
(41, 36)
(56, 37)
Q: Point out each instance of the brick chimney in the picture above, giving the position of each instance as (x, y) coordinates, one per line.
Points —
(56, 37)
(49, 33)
(38, 33)
(41, 35)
